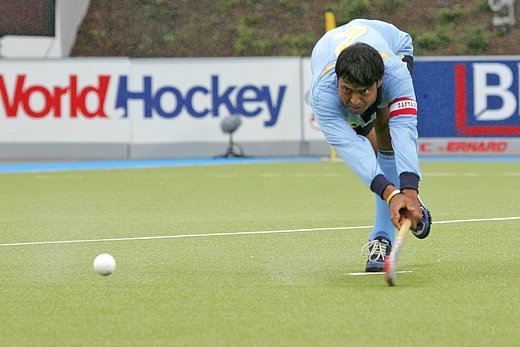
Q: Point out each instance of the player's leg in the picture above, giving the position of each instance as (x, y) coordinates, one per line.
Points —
(383, 226)
(382, 235)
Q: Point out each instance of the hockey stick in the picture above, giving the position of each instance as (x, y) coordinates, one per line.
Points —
(391, 260)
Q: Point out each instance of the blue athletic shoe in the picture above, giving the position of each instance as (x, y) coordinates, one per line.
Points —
(423, 227)
(376, 250)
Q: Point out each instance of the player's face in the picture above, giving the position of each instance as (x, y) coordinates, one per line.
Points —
(357, 98)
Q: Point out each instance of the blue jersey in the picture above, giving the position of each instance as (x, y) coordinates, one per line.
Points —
(396, 92)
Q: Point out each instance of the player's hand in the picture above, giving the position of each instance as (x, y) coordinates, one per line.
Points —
(405, 205)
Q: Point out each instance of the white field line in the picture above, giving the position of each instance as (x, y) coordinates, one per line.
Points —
(183, 236)
(311, 175)
(469, 174)
(376, 273)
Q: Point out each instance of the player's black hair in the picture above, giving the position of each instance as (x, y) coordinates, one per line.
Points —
(360, 64)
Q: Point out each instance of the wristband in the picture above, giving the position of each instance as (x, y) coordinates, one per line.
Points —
(378, 185)
(409, 180)
(392, 194)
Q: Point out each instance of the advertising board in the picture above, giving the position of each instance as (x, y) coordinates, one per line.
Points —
(174, 107)
(468, 105)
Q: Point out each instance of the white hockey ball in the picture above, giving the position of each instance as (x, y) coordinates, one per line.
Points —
(104, 264)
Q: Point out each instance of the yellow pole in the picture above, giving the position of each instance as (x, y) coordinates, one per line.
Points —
(330, 23)
(330, 20)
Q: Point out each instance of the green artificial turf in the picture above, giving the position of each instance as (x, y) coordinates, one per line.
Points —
(236, 288)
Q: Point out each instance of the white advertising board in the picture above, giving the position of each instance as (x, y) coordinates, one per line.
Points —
(311, 130)
(184, 100)
(149, 101)
(61, 101)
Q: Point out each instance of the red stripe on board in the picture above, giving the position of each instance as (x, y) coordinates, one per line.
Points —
(460, 97)
(490, 130)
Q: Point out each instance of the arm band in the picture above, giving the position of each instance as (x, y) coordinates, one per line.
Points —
(391, 195)
(409, 180)
(378, 185)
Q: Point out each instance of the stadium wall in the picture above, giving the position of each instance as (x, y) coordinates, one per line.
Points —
(117, 108)
(67, 15)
